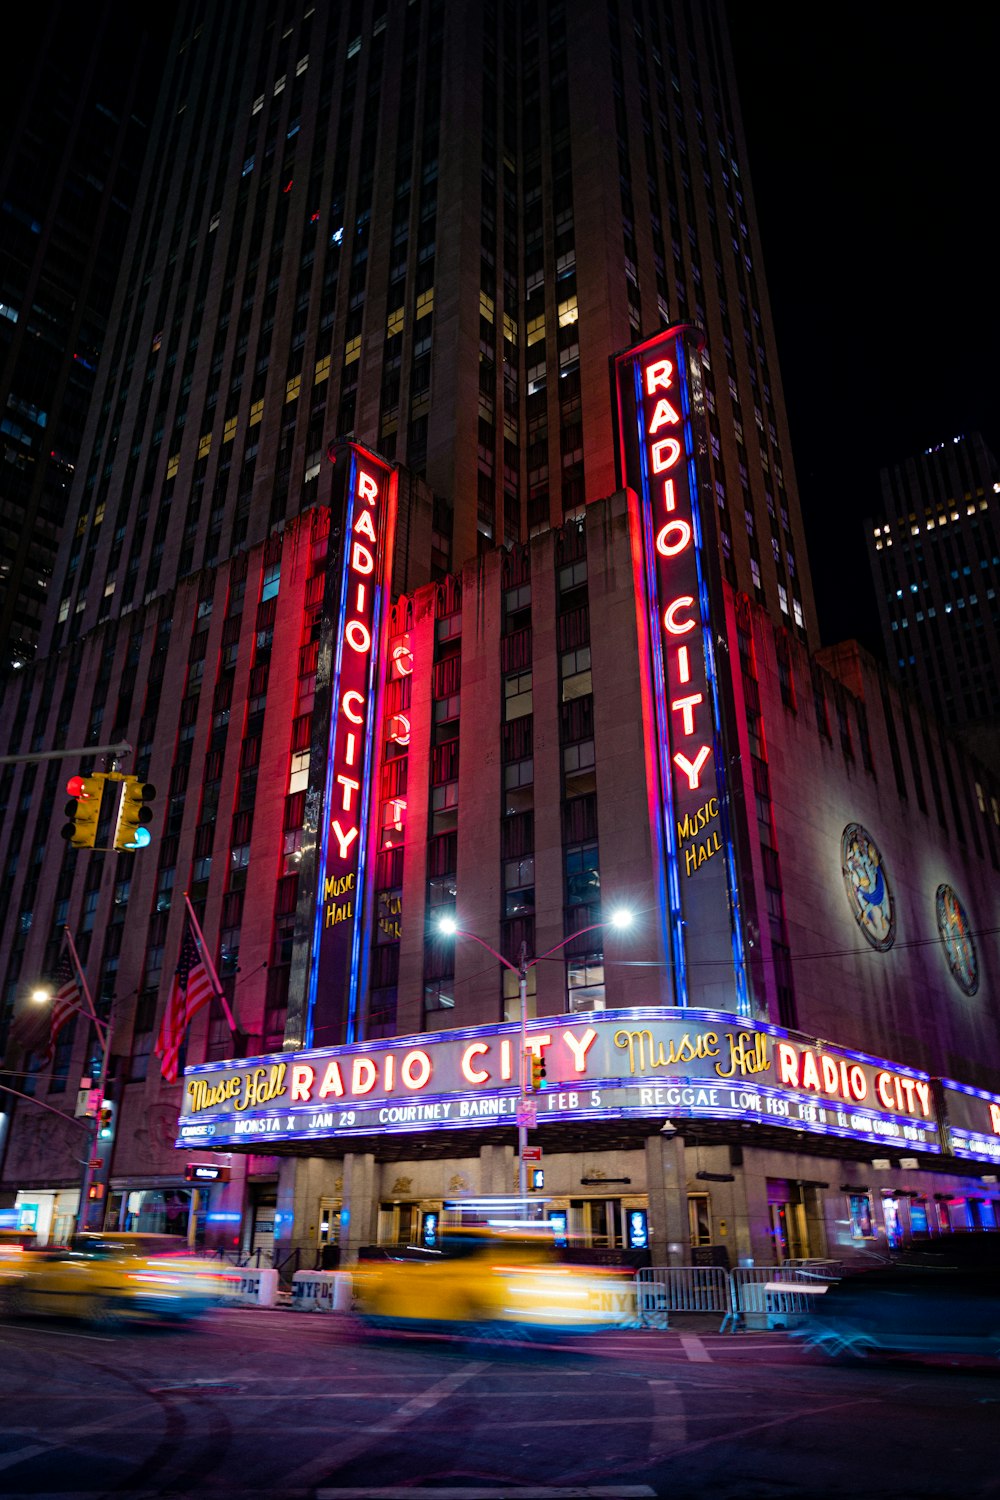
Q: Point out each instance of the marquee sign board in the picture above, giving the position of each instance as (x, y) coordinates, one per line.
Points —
(641, 1063)
(687, 703)
(971, 1121)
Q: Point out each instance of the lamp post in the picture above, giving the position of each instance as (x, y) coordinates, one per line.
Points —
(619, 919)
(103, 1029)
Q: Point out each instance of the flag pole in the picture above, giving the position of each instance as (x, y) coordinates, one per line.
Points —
(101, 1026)
(209, 965)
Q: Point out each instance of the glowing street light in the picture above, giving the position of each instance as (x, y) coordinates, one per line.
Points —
(620, 920)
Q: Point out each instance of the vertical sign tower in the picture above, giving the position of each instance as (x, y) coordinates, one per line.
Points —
(687, 699)
(332, 936)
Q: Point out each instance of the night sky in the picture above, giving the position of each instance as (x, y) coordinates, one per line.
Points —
(873, 140)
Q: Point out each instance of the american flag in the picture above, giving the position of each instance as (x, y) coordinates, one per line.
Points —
(66, 1002)
(192, 990)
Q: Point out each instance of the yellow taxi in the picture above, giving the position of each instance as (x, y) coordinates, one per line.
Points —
(109, 1279)
(492, 1283)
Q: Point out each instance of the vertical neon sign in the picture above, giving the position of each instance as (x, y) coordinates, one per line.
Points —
(342, 917)
(678, 601)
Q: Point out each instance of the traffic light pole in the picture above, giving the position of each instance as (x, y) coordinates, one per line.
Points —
(118, 751)
(103, 1029)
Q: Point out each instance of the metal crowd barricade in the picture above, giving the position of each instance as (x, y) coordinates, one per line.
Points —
(774, 1296)
(662, 1290)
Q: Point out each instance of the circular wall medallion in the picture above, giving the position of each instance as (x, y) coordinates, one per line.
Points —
(956, 936)
(867, 886)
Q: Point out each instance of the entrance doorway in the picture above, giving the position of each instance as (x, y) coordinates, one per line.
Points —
(787, 1219)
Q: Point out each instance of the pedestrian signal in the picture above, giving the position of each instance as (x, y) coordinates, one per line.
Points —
(84, 810)
(130, 831)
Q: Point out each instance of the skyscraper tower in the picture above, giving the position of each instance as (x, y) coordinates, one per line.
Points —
(935, 559)
(75, 130)
(426, 226)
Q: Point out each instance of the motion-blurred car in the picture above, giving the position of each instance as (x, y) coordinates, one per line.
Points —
(943, 1297)
(480, 1283)
(108, 1279)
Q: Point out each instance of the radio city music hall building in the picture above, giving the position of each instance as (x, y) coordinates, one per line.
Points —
(789, 1053)
(400, 224)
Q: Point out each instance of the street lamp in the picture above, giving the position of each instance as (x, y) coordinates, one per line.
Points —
(103, 1028)
(620, 919)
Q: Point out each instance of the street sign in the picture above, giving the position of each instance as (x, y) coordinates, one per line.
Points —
(527, 1113)
(532, 1153)
(96, 1161)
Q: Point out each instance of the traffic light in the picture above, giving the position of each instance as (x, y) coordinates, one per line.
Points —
(85, 809)
(133, 814)
(106, 1120)
(537, 1072)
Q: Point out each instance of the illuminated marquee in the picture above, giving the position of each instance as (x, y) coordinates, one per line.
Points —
(340, 942)
(972, 1121)
(678, 599)
(646, 1062)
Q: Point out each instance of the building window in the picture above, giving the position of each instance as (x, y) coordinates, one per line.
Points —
(585, 983)
(519, 886)
(574, 669)
(517, 695)
(518, 785)
(583, 875)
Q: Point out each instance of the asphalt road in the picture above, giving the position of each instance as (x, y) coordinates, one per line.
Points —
(279, 1404)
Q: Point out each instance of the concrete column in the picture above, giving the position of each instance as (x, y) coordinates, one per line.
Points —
(666, 1183)
(497, 1172)
(359, 1219)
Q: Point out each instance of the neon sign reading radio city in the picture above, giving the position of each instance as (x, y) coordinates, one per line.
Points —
(675, 535)
(339, 946)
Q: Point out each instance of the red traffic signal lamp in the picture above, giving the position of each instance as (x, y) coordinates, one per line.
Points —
(84, 810)
(131, 832)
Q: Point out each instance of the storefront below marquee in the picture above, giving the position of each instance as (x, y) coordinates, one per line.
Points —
(663, 1136)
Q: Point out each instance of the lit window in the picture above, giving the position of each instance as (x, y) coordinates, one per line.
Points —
(568, 313)
(173, 464)
(322, 370)
(394, 322)
(256, 413)
(229, 431)
(292, 388)
(352, 350)
(205, 445)
(536, 329)
(271, 583)
(517, 696)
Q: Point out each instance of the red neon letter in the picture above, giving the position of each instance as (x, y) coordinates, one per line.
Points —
(332, 1081)
(687, 707)
(367, 488)
(788, 1065)
(365, 526)
(302, 1081)
(683, 664)
(348, 699)
(345, 837)
(678, 528)
(665, 454)
(361, 559)
(363, 1075)
(416, 1069)
(858, 1082)
(580, 1046)
(831, 1078)
(474, 1075)
(692, 768)
(659, 376)
(883, 1087)
(358, 636)
(994, 1117)
(350, 786)
(670, 622)
(663, 416)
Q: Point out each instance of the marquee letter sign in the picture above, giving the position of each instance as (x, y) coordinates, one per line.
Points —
(680, 612)
(358, 573)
